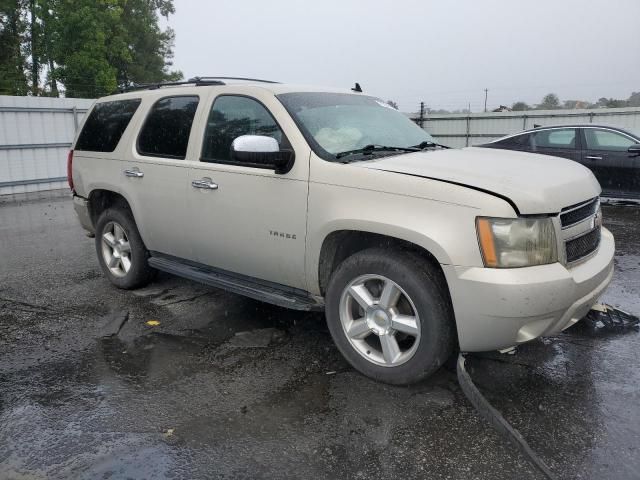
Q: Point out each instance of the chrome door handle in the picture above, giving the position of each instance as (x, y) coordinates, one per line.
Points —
(593, 157)
(206, 184)
(134, 172)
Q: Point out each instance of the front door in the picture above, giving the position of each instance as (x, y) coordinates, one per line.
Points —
(247, 220)
(606, 154)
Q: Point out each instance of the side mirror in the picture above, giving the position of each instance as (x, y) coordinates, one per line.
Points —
(634, 149)
(261, 152)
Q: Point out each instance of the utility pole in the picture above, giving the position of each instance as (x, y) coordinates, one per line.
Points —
(486, 92)
(35, 61)
(421, 118)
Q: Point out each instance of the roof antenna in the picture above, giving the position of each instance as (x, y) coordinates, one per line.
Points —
(357, 88)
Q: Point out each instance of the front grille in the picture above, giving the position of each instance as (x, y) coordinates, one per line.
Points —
(575, 215)
(582, 246)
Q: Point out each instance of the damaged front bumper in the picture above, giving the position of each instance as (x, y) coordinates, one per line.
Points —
(499, 308)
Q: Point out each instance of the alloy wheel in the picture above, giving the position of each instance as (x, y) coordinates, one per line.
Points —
(380, 320)
(116, 250)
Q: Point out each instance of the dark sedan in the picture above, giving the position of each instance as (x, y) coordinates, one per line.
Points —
(612, 154)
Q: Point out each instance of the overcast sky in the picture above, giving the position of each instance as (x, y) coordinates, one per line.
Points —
(442, 52)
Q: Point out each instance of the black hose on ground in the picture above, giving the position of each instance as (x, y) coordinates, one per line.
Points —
(495, 418)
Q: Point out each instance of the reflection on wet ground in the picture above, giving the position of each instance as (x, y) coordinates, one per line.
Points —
(227, 387)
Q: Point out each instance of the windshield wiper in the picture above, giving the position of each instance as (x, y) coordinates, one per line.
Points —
(429, 143)
(369, 149)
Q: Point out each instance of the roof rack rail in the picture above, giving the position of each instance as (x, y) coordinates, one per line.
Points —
(197, 81)
(153, 86)
(208, 79)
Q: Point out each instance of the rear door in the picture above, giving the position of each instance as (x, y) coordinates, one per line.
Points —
(606, 154)
(559, 142)
(156, 171)
(251, 221)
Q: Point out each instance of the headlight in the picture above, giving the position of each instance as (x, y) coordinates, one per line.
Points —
(516, 242)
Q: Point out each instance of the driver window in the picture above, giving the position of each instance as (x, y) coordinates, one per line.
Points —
(606, 140)
(233, 116)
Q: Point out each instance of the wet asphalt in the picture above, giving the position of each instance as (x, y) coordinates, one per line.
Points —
(226, 387)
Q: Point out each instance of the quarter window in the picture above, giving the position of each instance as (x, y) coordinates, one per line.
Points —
(517, 141)
(560, 138)
(106, 124)
(606, 140)
(233, 116)
(166, 130)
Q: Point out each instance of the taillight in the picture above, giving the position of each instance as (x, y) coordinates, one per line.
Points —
(70, 169)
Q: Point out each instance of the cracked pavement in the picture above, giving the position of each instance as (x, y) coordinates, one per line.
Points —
(227, 387)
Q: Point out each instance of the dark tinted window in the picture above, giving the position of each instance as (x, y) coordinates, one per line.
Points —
(517, 141)
(558, 138)
(166, 130)
(106, 124)
(231, 117)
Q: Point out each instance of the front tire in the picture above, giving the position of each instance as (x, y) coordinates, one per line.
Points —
(390, 315)
(121, 251)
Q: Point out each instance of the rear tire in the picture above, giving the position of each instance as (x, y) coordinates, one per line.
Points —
(121, 252)
(390, 315)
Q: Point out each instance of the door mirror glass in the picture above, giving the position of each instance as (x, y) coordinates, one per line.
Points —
(260, 151)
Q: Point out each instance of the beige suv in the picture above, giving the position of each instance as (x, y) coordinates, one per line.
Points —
(321, 199)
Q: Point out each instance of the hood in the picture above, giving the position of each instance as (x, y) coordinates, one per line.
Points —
(533, 183)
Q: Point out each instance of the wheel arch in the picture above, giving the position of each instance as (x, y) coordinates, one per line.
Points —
(340, 244)
(101, 198)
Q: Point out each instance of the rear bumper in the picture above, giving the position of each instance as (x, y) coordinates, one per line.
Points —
(499, 308)
(81, 206)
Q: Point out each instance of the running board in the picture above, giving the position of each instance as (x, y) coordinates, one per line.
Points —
(276, 294)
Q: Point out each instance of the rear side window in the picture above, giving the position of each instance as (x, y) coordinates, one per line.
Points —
(106, 124)
(560, 138)
(166, 130)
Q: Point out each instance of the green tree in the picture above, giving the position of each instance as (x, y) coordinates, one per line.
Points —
(634, 100)
(549, 102)
(13, 79)
(92, 47)
(45, 11)
(520, 107)
(84, 30)
(145, 51)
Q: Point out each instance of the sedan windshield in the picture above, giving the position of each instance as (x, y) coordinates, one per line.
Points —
(335, 123)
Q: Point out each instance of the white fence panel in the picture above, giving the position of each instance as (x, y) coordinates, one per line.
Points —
(35, 135)
(36, 132)
(461, 130)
